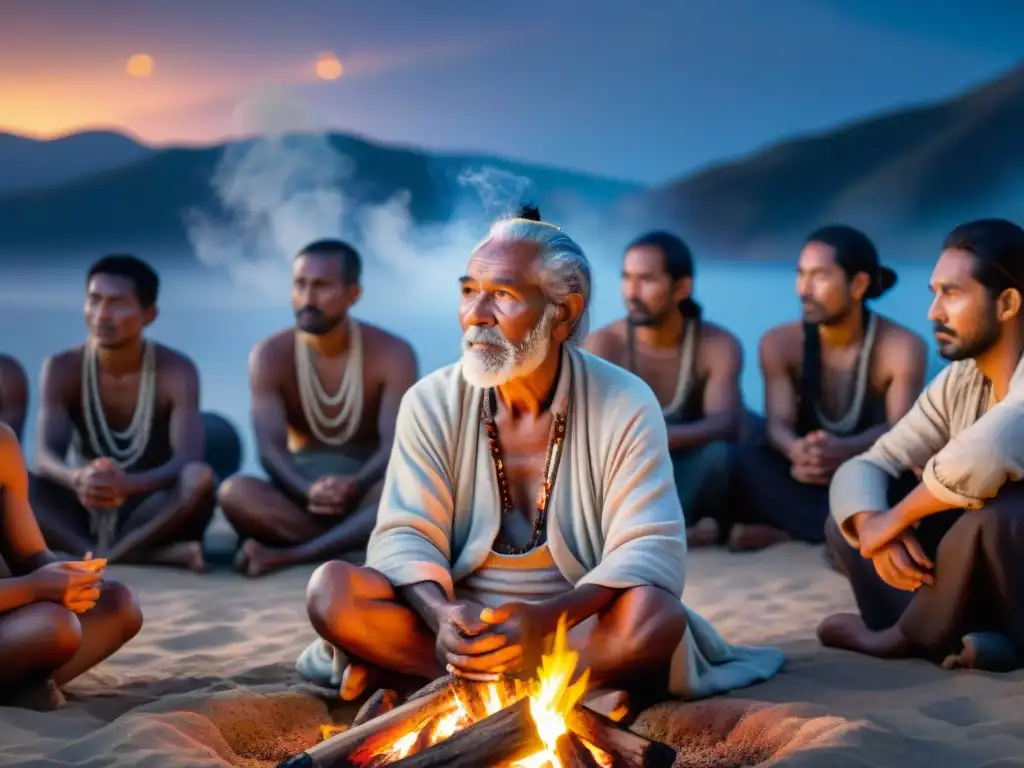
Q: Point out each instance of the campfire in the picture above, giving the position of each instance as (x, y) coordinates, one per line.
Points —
(508, 724)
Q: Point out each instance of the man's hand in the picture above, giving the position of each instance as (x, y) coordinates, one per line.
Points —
(102, 485)
(877, 531)
(73, 585)
(810, 474)
(463, 637)
(903, 564)
(333, 495)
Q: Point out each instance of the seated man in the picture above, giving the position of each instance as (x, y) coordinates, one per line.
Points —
(833, 384)
(693, 367)
(532, 478)
(57, 619)
(948, 560)
(325, 397)
(13, 394)
(134, 488)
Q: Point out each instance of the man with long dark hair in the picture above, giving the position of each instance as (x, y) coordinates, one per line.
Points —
(692, 365)
(940, 574)
(835, 381)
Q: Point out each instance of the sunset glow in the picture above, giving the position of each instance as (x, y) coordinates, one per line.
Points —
(328, 66)
(140, 65)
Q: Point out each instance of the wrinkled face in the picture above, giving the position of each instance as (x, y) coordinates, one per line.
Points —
(507, 322)
(963, 312)
(320, 298)
(649, 292)
(113, 315)
(823, 286)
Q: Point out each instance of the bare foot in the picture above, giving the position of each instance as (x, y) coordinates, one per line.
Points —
(181, 554)
(848, 632)
(704, 533)
(42, 697)
(255, 559)
(748, 538)
(357, 679)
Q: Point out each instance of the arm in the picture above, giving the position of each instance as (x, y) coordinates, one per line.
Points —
(185, 431)
(411, 543)
(13, 395)
(723, 403)
(23, 547)
(401, 373)
(862, 483)
(908, 361)
(270, 422)
(780, 396)
(54, 426)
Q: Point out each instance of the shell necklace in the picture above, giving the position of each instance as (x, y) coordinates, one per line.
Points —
(316, 400)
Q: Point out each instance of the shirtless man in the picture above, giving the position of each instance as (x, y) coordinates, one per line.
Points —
(693, 367)
(13, 394)
(57, 619)
(325, 398)
(133, 487)
(834, 383)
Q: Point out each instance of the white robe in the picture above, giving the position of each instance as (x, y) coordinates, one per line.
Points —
(615, 517)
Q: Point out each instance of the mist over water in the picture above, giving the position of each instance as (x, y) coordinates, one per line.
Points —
(286, 190)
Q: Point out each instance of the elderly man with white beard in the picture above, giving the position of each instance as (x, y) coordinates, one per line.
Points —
(529, 481)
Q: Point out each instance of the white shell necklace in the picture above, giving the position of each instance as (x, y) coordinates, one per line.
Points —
(122, 447)
(315, 399)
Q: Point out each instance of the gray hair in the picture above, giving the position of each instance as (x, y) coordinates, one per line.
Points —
(564, 267)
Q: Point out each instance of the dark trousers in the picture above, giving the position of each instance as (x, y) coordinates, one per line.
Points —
(979, 577)
(702, 476)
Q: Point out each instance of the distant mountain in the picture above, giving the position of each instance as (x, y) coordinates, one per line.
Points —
(920, 170)
(36, 163)
(145, 203)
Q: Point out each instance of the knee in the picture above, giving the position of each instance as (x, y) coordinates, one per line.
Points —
(197, 481)
(838, 547)
(716, 459)
(651, 623)
(119, 603)
(53, 632)
(233, 493)
(330, 595)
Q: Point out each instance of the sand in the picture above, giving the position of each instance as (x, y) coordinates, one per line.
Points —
(210, 682)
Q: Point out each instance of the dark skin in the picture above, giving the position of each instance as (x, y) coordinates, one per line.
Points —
(13, 394)
(652, 297)
(333, 516)
(896, 375)
(963, 306)
(57, 619)
(172, 497)
(417, 630)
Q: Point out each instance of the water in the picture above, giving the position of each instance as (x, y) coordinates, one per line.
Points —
(217, 322)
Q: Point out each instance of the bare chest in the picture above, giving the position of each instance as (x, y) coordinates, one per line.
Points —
(662, 371)
(520, 456)
(325, 395)
(119, 398)
(840, 372)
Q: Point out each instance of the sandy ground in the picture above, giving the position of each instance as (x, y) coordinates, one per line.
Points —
(210, 682)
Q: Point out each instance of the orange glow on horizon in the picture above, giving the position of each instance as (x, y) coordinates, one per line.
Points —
(140, 65)
(328, 66)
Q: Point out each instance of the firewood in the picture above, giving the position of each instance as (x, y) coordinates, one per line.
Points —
(572, 754)
(471, 695)
(628, 749)
(502, 738)
(357, 746)
(383, 700)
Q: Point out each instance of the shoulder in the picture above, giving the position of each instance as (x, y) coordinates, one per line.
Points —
(385, 344)
(898, 343)
(8, 443)
(782, 345)
(174, 362)
(273, 352)
(611, 386)
(606, 341)
(64, 366)
(10, 367)
(719, 341)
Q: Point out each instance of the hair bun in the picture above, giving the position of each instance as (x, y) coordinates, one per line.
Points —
(529, 211)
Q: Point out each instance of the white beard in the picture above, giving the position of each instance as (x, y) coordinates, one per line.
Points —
(487, 368)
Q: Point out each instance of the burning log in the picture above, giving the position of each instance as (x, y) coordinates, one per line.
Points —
(358, 746)
(572, 754)
(627, 749)
(383, 700)
(501, 738)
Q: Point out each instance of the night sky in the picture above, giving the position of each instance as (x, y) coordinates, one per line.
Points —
(643, 94)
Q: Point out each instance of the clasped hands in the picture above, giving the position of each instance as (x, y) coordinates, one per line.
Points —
(483, 643)
(101, 484)
(890, 544)
(333, 495)
(75, 585)
(815, 457)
